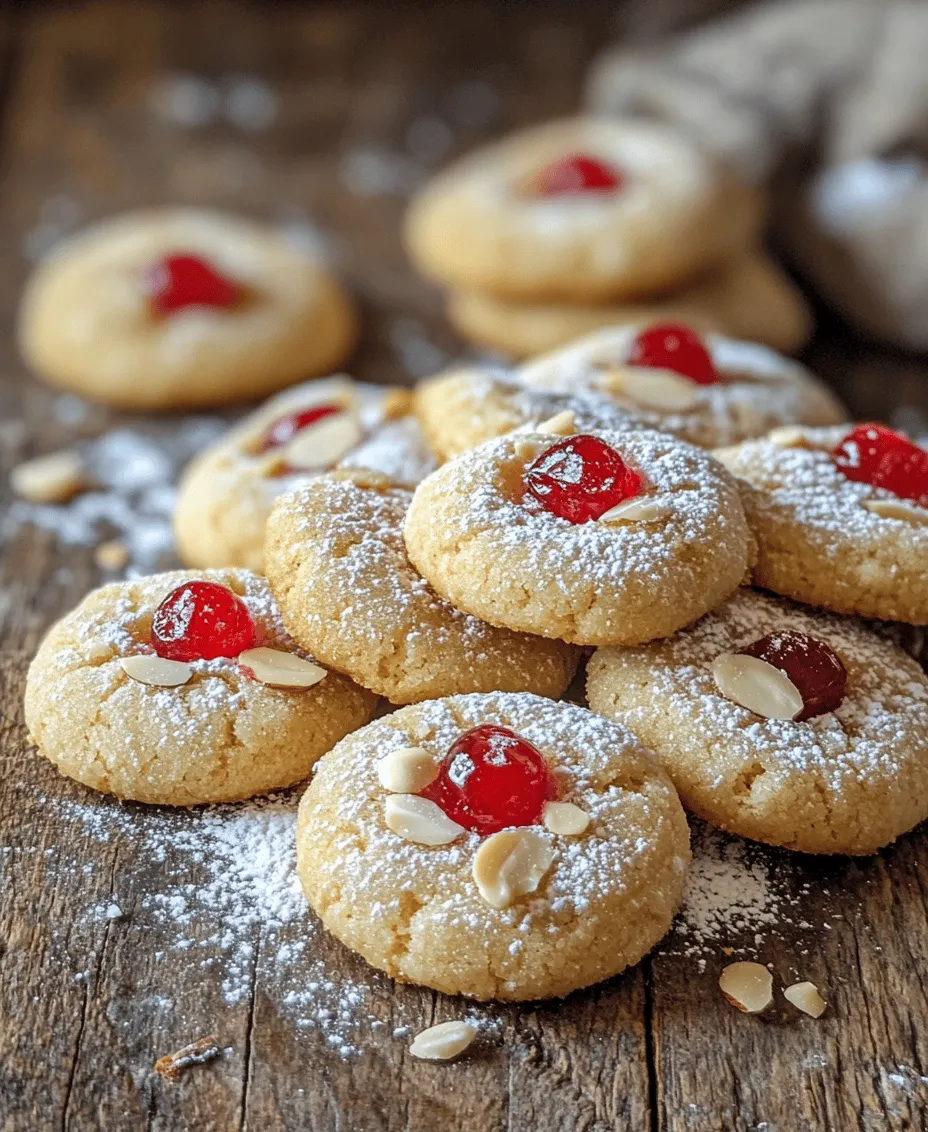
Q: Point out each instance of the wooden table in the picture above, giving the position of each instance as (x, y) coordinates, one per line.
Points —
(102, 947)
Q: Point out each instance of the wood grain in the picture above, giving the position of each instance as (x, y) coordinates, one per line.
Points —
(88, 1003)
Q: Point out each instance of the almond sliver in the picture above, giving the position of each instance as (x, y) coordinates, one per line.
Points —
(419, 820)
(281, 669)
(510, 864)
(444, 1041)
(407, 771)
(565, 818)
(659, 389)
(561, 424)
(748, 986)
(156, 670)
(641, 510)
(324, 443)
(898, 509)
(756, 685)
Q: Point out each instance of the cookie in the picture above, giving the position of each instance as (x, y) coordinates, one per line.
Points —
(179, 308)
(797, 728)
(227, 492)
(463, 407)
(613, 538)
(348, 593)
(580, 210)
(704, 388)
(750, 297)
(184, 688)
(476, 893)
(841, 518)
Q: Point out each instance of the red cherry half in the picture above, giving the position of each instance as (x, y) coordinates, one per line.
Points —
(673, 346)
(200, 621)
(881, 457)
(575, 174)
(285, 428)
(813, 667)
(180, 281)
(580, 478)
(492, 779)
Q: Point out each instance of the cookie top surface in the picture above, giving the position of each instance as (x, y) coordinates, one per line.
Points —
(221, 735)
(606, 898)
(227, 492)
(756, 389)
(336, 560)
(489, 547)
(487, 222)
(89, 322)
(827, 539)
(847, 781)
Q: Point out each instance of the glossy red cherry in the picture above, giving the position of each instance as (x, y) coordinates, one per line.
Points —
(881, 457)
(492, 779)
(285, 428)
(578, 173)
(200, 621)
(580, 478)
(179, 281)
(813, 667)
(672, 346)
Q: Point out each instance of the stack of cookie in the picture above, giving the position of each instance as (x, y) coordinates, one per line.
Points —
(446, 560)
(582, 223)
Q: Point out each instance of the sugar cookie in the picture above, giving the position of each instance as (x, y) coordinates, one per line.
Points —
(848, 778)
(494, 903)
(184, 688)
(178, 308)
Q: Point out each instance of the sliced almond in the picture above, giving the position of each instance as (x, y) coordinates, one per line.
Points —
(898, 509)
(749, 986)
(660, 389)
(324, 443)
(420, 820)
(112, 555)
(561, 424)
(526, 449)
(396, 403)
(639, 510)
(565, 819)
(757, 686)
(156, 670)
(444, 1041)
(787, 436)
(50, 479)
(407, 771)
(510, 864)
(281, 669)
(805, 997)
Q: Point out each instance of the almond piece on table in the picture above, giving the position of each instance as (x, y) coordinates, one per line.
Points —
(156, 670)
(510, 864)
(565, 819)
(756, 685)
(640, 510)
(323, 444)
(444, 1041)
(407, 771)
(806, 997)
(420, 820)
(281, 669)
(748, 986)
(55, 478)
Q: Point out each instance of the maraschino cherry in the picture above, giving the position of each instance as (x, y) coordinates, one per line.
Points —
(184, 280)
(577, 174)
(200, 621)
(814, 668)
(285, 428)
(882, 457)
(672, 346)
(492, 779)
(580, 478)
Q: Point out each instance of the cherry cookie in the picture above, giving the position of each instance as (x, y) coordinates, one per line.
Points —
(500, 846)
(609, 538)
(797, 728)
(841, 518)
(348, 593)
(751, 297)
(227, 492)
(582, 210)
(184, 688)
(464, 407)
(177, 308)
(704, 388)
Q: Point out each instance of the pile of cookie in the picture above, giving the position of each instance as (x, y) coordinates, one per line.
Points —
(397, 589)
(583, 223)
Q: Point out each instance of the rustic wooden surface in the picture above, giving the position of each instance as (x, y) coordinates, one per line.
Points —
(88, 1004)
